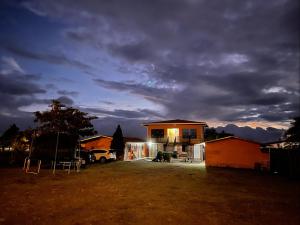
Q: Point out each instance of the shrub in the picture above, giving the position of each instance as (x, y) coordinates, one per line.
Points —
(174, 155)
(167, 156)
(159, 155)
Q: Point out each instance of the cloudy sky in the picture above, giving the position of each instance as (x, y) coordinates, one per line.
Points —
(130, 61)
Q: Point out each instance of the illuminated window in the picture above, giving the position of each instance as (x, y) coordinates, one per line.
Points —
(189, 133)
(173, 134)
(157, 133)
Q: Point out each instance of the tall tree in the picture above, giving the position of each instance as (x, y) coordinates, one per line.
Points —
(65, 120)
(69, 122)
(293, 133)
(118, 143)
(9, 136)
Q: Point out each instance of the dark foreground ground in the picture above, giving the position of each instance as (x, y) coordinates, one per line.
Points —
(148, 193)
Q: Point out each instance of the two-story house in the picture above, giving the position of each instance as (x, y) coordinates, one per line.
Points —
(169, 135)
(176, 131)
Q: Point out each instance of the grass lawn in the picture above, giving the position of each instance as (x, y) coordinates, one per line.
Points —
(148, 193)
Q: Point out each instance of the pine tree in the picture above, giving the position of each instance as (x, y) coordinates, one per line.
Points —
(118, 143)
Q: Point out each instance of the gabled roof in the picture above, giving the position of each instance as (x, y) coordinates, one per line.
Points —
(94, 137)
(231, 137)
(133, 139)
(126, 139)
(176, 121)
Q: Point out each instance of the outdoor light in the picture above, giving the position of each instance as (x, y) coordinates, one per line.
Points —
(150, 143)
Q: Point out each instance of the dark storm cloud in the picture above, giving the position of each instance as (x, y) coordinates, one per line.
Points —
(19, 85)
(17, 90)
(121, 113)
(130, 127)
(107, 102)
(132, 52)
(238, 60)
(45, 57)
(64, 92)
(130, 121)
(65, 100)
(245, 84)
(150, 93)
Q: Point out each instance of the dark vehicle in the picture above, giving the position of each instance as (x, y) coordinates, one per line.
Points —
(86, 157)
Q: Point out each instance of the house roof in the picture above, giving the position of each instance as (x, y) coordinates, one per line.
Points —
(133, 139)
(176, 121)
(232, 137)
(94, 137)
(126, 139)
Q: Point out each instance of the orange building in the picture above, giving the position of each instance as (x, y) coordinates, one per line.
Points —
(96, 142)
(235, 152)
(179, 131)
(102, 142)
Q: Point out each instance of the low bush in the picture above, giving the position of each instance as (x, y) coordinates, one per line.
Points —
(174, 155)
(159, 155)
(167, 156)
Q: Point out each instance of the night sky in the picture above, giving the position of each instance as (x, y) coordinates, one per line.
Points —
(131, 61)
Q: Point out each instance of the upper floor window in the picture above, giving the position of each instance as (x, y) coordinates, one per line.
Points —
(157, 133)
(189, 133)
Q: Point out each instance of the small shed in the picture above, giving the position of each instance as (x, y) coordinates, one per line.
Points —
(235, 152)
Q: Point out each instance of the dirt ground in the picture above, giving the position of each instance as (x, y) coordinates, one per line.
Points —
(148, 193)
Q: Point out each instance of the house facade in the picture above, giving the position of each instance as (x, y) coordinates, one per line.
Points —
(178, 136)
(180, 132)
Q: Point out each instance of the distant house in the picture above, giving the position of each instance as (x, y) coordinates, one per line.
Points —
(96, 142)
(275, 144)
(235, 152)
(102, 142)
(170, 136)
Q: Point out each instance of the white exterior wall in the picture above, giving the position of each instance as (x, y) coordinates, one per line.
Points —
(154, 148)
(136, 150)
(199, 151)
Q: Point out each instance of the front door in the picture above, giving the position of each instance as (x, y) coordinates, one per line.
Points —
(173, 134)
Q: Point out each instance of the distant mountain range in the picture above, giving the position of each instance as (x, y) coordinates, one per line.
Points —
(256, 134)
